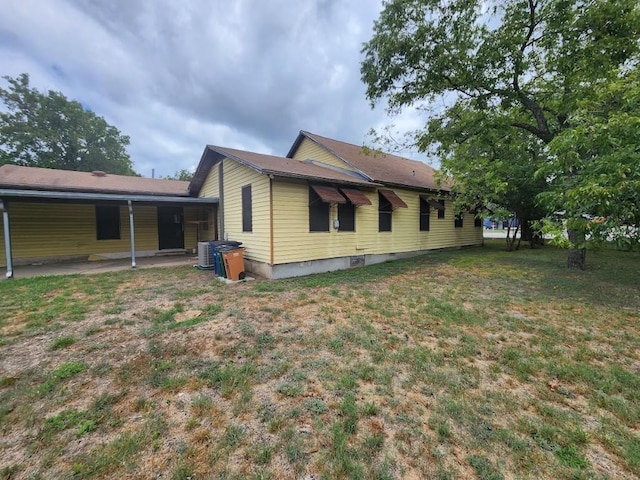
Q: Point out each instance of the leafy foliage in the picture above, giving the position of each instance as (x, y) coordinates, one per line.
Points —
(510, 88)
(184, 175)
(49, 130)
(594, 169)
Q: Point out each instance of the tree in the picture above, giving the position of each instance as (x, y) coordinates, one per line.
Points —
(491, 167)
(595, 167)
(49, 130)
(520, 67)
(184, 175)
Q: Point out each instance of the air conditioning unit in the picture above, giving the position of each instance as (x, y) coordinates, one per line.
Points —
(205, 255)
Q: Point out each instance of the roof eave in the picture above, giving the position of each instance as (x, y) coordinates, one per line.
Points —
(413, 187)
(320, 179)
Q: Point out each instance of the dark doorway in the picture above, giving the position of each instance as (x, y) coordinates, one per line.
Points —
(170, 228)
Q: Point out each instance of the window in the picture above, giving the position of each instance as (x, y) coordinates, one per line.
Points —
(107, 222)
(477, 222)
(347, 217)
(425, 213)
(318, 213)
(384, 213)
(457, 222)
(247, 211)
(441, 210)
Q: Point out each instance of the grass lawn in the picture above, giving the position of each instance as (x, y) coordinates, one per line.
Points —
(468, 364)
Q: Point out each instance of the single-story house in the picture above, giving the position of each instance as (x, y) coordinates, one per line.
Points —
(328, 205)
(50, 214)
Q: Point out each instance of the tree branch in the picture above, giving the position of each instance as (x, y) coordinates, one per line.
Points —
(545, 135)
(542, 130)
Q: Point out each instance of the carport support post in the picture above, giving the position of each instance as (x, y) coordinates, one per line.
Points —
(133, 236)
(7, 239)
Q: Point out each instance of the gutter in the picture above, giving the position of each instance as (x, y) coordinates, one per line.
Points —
(79, 196)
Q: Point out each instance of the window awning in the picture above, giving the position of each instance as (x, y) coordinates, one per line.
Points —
(329, 194)
(434, 203)
(394, 200)
(355, 196)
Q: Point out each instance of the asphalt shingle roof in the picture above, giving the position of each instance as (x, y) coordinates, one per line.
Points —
(379, 167)
(33, 178)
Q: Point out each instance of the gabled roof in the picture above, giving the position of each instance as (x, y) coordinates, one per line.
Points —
(48, 179)
(272, 165)
(376, 166)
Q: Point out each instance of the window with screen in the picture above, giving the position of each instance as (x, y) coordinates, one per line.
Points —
(441, 210)
(107, 222)
(457, 222)
(385, 210)
(347, 217)
(247, 209)
(425, 213)
(318, 213)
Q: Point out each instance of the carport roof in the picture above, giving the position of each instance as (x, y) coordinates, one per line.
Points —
(48, 179)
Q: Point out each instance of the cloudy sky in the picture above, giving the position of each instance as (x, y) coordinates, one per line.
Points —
(176, 75)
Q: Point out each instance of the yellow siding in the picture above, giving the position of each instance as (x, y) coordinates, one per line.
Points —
(210, 186)
(257, 242)
(294, 243)
(49, 230)
(312, 150)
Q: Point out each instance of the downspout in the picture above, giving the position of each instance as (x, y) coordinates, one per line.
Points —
(271, 219)
(133, 236)
(221, 201)
(7, 239)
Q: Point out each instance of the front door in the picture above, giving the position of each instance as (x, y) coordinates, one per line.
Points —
(170, 227)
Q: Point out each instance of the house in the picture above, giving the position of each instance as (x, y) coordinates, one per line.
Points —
(61, 215)
(328, 205)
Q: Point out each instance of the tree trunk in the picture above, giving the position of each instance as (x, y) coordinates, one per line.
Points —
(528, 235)
(577, 256)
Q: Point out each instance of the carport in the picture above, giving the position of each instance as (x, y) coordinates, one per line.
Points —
(15, 196)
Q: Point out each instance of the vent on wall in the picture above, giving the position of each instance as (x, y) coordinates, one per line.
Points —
(205, 255)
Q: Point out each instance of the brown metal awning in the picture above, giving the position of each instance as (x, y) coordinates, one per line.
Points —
(329, 194)
(394, 200)
(434, 203)
(355, 196)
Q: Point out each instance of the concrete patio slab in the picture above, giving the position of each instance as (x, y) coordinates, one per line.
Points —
(100, 266)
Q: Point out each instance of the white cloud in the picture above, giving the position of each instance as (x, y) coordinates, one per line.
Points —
(175, 76)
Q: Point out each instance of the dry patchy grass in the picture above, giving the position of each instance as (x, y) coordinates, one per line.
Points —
(476, 363)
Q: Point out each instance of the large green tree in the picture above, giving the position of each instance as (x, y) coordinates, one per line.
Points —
(516, 68)
(48, 130)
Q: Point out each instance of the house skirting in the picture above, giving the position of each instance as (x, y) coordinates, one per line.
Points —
(310, 267)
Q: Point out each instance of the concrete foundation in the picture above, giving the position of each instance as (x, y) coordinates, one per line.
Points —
(300, 269)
